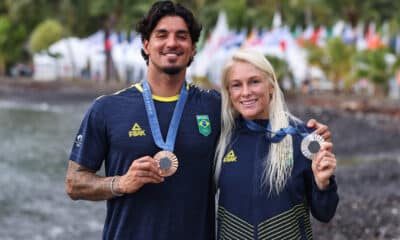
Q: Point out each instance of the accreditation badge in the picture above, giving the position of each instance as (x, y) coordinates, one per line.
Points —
(203, 123)
(168, 162)
(311, 144)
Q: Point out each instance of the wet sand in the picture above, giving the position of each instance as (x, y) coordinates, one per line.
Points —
(366, 141)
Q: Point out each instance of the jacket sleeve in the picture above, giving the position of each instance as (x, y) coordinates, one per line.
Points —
(323, 203)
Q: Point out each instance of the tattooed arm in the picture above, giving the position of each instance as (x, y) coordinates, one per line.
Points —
(83, 183)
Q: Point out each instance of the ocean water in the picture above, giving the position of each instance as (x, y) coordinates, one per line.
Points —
(34, 150)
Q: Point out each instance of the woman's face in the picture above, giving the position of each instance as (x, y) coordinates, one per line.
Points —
(249, 90)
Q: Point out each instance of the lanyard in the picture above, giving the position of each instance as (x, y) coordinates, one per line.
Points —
(153, 120)
(278, 136)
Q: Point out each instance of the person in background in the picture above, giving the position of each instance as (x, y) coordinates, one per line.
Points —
(127, 131)
(266, 186)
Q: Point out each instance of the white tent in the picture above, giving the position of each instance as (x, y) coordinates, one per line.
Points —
(67, 58)
(46, 68)
(76, 55)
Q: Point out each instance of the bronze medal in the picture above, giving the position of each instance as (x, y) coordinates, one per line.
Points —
(168, 162)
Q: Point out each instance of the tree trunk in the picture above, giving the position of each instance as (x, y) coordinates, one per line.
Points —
(107, 50)
(110, 69)
(380, 91)
(2, 67)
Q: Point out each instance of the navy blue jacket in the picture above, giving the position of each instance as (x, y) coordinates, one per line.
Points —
(246, 210)
(116, 131)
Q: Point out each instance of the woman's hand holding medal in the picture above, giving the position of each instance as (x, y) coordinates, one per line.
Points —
(324, 165)
(142, 171)
(321, 129)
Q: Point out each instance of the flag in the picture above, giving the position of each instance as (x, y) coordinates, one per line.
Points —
(218, 35)
(253, 39)
(277, 20)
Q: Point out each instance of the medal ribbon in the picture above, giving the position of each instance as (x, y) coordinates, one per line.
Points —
(153, 120)
(278, 136)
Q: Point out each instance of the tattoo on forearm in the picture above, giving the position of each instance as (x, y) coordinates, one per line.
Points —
(83, 183)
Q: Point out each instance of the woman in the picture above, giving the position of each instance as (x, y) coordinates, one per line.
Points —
(267, 187)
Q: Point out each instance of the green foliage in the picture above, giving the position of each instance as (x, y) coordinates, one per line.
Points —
(208, 16)
(339, 53)
(364, 10)
(75, 18)
(315, 54)
(82, 18)
(282, 71)
(45, 34)
(280, 66)
(334, 59)
(132, 14)
(3, 8)
(31, 12)
(256, 17)
(12, 36)
(235, 11)
(372, 64)
(5, 26)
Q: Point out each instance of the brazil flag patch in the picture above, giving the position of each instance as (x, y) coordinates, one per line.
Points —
(203, 122)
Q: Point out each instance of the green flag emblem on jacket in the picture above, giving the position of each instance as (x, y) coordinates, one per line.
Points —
(203, 122)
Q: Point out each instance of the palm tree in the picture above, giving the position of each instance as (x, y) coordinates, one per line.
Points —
(281, 69)
(374, 65)
(334, 59)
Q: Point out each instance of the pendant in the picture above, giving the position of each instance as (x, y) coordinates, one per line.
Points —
(310, 145)
(168, 162)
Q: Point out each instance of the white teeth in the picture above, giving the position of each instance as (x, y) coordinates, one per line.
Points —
(248, 102)
(171, 54)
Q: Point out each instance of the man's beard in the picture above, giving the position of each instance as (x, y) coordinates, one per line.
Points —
(172, 70)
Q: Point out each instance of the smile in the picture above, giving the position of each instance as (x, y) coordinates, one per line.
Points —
(248, 102)
(174, 54)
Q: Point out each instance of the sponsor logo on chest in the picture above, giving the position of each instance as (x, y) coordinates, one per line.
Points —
(136, 131)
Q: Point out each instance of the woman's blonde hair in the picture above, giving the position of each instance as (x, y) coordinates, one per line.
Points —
(279, 162)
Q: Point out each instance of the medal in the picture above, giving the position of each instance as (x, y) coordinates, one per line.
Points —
(311, 144)
(167, 161)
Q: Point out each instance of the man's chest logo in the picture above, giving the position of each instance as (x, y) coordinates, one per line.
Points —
(136, 131)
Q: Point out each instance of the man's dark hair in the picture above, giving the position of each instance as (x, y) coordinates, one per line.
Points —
(167, 8)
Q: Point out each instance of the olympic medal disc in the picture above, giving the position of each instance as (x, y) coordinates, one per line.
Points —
(311, 145)
(168, 162)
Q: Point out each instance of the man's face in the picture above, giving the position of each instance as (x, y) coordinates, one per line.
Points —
(169, 46)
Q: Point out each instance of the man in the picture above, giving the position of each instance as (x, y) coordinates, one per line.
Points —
(146, 199)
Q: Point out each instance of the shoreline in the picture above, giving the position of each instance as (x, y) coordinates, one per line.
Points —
(29, 89)
(55, 92)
